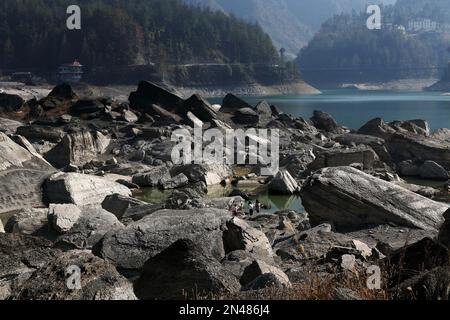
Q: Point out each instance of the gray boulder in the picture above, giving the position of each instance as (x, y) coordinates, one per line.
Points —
(432, 170)
(78, 149)
(36, 133)
(231, 104)
(346, 157)
(283, 183)
(444, 233)
(175, 182)
(10, 102)
(259, 268)
(408, 169)
(324, 121)
(28, 222)
(118, 204)
(266, 280)
(353, 199)
(80, 189)
(240, 236)
(93, 223)
(209, 173)
(152, 178)
(131, 247)
(62, 217)
(99, 280)
(183, 271)
(2, 228)
(20, 256)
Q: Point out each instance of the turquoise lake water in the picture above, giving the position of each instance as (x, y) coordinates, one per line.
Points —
(353, 108)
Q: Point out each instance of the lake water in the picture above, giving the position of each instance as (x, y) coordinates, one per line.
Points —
(353, 108)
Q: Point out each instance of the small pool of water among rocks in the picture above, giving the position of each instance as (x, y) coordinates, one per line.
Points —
(272, 201)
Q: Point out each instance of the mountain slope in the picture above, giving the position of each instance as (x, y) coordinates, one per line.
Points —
(290, 23)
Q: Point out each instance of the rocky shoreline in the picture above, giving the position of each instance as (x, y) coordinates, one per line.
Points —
(70, 164)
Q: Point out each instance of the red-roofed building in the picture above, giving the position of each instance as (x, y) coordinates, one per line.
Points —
(71, 72)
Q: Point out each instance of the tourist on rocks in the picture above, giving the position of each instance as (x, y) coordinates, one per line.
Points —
(257, 206)
(251, 208)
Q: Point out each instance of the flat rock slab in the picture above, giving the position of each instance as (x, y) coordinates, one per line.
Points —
(131, 247)
(81, 189)
(352, 199)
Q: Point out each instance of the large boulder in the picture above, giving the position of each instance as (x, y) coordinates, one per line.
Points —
(37, 133)
(324, 121)
(98, 280)
(87, 107)
(21, 176)
(246, 116)
(201, 108)
(284, 183)
(346, 157)
(78, 149)
(131, 247)
(433, 171)
(90, 227)
(9, 126)
(20, 256)
(153, 177)
(444, 233)
(10, 102)
(63, 91)
(241, 236)
(377, 144)
(80, 189)
(28, 222)
(209, 173)
(404, 144)
(231, 104)
(258, 268)
(353, 199)
(119, 205)
(149, 94)
(184, 271)
(62, 217)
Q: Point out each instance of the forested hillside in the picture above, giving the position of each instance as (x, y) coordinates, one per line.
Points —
(33, 34)
(346, 50)
(290, 23)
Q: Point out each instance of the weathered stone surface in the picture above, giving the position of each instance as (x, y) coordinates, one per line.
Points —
(231, 104)
(118, 204)
(89, 229)
(63, 217)
(28, 222)
(209, 173)
(408, 169)
(183, 271)
(444, 233)
(148, 94)
(14, 156)
(129, 248)
(80, 189)
(352, 199)
(241, 236)
(201, 108)
(36, 133)
(311, 244)
(345, 157)
(283, 183)
(405, 145)
(246, 116)
(434, 171)
(258, 268)
(63, 91)
(20, 256)
(2, 229)
(432, 285)
(99, 280)
(21, 189)
(78, 149)
(377, 144)
(152, 177)
(178, 181)
(237, 261)
(87, 106)
(266, 280)
(324, 121)
(10, 102)
(9, 126)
